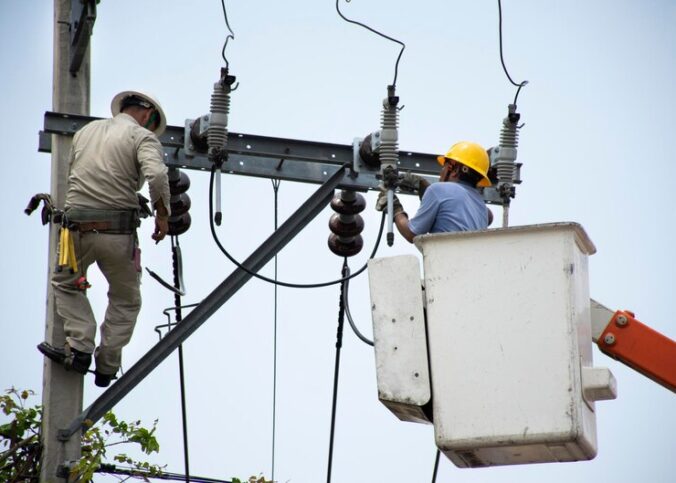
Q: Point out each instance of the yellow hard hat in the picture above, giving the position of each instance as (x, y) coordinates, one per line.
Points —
(471, 155)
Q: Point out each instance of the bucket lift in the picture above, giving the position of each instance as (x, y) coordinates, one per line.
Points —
(501, 364)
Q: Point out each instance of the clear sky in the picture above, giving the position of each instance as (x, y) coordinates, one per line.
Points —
(597, 148)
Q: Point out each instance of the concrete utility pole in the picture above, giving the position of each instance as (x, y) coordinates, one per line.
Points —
(61, 390)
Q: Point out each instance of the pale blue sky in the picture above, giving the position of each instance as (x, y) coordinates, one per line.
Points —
(596, 149)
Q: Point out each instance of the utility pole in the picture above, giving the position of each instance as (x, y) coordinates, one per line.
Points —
(61, 390)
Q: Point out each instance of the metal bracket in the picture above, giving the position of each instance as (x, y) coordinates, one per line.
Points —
(259, 156)
(82, 18)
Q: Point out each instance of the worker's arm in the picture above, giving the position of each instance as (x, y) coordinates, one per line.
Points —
(401, 220)
(400, 216)
(149, 154)
(161, 221)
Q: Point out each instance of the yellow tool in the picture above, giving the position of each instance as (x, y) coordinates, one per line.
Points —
(67, 250)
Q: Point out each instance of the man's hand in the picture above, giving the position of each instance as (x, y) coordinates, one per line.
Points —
(381, 204)
(161, 227)
(412, 183)
(161, 221)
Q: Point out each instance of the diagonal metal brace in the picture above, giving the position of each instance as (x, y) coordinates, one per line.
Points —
(257, 260)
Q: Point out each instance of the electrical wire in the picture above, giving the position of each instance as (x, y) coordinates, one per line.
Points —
(436, 467)
(403, 46)
(349, 315)
(147, 475)
(502, 59)
(230, 35)
(269, 280)
(275, 188)
(178, 317)
(336, 370)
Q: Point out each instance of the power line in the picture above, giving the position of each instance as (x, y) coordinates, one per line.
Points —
(269, 280)
(502, 59)
(231, 34)
(275, 188)
(403, 46)
(436, 466)
(336, 370)
(148, 475)
(349, 314)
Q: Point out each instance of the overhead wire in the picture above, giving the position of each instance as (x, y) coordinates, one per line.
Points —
(267, 279)
(231, 35)
(502, 59)
(275, 188)
(403, 46)
(436, 466)
(336, 369)
(111, 469)
(346, 304)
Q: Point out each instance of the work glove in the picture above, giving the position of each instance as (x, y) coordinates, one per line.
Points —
(381, 203)
(412, 183)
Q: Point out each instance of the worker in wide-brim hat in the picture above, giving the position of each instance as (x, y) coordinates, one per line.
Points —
(110, 161)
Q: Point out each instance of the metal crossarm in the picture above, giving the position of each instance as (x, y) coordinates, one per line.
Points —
(269, 157)
(253, 155)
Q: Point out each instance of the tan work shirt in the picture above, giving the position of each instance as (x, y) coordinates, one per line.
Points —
(110, 160)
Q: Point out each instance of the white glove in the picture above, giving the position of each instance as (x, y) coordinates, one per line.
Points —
(381, 203)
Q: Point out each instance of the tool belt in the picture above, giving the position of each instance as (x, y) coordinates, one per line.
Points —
(116, 222)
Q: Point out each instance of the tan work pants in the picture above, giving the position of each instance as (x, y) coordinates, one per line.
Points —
(114, 255)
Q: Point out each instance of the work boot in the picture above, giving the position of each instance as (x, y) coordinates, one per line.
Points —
(103, 380)
(69, 358)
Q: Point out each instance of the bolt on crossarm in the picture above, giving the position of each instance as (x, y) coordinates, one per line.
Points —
(211, 303)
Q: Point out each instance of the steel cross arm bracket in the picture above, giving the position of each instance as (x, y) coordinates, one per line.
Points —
(82, 18)
(261, 156)
(257, 260)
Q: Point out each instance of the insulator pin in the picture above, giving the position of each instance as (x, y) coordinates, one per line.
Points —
(179, 220)
(346, 224)
(217, 134)
(347, 206)
(178, 225)
(343, 248)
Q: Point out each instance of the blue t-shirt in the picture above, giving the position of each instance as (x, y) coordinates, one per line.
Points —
(450, 206)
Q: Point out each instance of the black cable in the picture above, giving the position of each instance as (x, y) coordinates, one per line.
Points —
(403, 46)
(135, 472)
(275, 187)
(336, 370)
(231, 35)
(178, 316)
(349, 315)
(502, 59)
(436, 467)
(269, 280)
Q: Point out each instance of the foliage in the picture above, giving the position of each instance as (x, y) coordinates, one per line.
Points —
(20, 442)
(252, 479)
(19, 438)
(112, 432)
